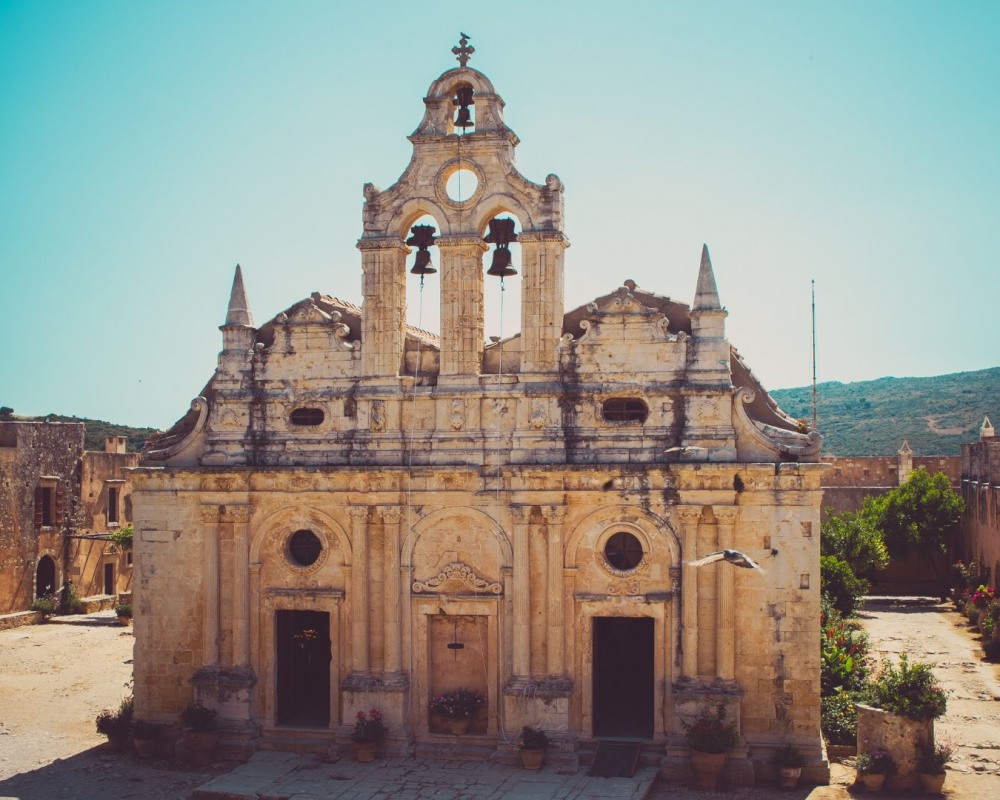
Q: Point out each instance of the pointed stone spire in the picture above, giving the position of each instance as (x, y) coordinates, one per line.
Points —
(706, 295)
(239, 306)
(986, 431)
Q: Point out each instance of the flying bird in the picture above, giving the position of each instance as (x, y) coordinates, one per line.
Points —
(732, 556)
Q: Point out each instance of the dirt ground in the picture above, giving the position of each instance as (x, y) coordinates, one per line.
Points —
(56, 678)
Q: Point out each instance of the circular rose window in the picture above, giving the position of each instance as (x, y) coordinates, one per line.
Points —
(623, 551)
(304, 548)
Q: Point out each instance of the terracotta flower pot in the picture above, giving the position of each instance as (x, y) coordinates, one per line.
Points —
(364, 752)
(932, 784)
(458, 726)
(789, 776)
(532, 759)
(124, 621)
(873, 783)
(707, 769)
(144, 748)
(201, 745)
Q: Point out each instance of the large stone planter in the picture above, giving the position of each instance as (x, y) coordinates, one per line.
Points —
(900, 737)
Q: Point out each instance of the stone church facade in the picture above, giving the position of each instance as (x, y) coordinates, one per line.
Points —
(356, 512)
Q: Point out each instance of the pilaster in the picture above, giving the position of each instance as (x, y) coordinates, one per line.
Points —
(239, 518)
(725, 621)
(359, 588)
(555, 516)
(461, 304)
(690, 517)
(383, 316)
(210, 569)
(521, 591)
(391, 517)
(542, 303)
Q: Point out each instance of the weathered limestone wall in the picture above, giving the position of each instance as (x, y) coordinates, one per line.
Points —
(981, 491)
(32, 455)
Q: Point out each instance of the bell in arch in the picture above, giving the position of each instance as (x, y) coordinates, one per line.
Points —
(501, 234)
(463, 99)
(422, 237)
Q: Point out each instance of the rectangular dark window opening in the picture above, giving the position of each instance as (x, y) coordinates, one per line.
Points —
(112, 505)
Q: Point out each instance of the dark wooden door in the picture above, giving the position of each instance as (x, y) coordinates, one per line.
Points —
(623, 677)
(303, 643)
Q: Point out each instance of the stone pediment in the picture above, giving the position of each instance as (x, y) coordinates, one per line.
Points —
(457, 577)
(309, 314)
(609, 316)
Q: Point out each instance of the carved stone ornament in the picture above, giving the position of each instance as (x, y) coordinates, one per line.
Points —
(539, 418)
(376, 420)
(457, 414)
(458, 572)
(623, 587)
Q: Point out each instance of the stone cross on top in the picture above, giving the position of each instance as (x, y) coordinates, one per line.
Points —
(462, 50)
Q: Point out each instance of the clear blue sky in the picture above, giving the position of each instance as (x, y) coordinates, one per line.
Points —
(147, 147)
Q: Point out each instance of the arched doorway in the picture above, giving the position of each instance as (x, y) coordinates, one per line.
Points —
(45, 576)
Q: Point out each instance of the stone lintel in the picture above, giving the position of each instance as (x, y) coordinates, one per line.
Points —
(553, 686)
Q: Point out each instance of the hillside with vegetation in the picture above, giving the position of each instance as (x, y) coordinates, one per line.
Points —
(95, 430)
(936, 415)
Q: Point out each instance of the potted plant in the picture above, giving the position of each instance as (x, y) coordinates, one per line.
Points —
(116, 724)
(533, 743)
(789, 762)
(368, 731)
(144, 738)
(873, 767)
(933, 757)
(200, 732)
(48, 604)
(709, 737)
(124, 612)
(458, 707)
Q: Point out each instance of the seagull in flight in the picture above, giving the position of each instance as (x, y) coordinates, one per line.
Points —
(732, 556)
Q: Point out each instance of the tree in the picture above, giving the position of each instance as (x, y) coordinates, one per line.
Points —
(922, 513)
(855, 537)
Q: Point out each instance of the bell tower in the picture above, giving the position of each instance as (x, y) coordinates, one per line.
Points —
(462, 131)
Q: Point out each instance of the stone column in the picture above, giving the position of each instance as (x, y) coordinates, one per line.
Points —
(542, 305)
(554, 618)
(240, 517)
(383, 316)
(391, 516)
(522, 599)
(689, 516)
(359, 586)
(210, 569)
(461, 304)
(725, 611)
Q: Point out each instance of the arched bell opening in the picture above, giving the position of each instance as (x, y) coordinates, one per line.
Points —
(502, 274)
(462, 120)
(423, 273)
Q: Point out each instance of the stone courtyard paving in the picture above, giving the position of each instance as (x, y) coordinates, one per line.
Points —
(55, 678)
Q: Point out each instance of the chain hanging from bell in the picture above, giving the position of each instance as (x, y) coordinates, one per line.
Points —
(422, 237)
(501, 234)
(463, 99)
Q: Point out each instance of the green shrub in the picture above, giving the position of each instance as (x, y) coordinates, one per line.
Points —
(123, 536)
(197, 717)
(909, 690)
(124, 610)
(47, 604)
(839, 582)
(843, 656)
(69, 600)
(116, 723)
(839, 716)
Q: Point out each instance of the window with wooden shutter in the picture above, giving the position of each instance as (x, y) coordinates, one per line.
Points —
(39, 502)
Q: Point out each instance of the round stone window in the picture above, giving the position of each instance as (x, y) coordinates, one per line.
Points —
(304, 548)
(623, 551)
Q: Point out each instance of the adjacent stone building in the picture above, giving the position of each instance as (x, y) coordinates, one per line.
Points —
(356, 513)
(58, 505)
(981, 492)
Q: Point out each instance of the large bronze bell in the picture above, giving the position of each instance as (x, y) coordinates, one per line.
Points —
(422, 237)
(501, 234)
(463, 99)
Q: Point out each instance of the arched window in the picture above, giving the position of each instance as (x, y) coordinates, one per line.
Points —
(307, 416)
(625, 409)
